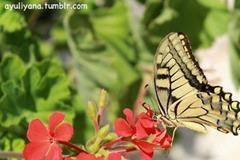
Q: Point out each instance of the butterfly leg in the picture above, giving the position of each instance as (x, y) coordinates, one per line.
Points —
(173, 135)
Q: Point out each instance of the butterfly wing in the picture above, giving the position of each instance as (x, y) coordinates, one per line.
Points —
(198, 111)
(175, 69)
(183, 93)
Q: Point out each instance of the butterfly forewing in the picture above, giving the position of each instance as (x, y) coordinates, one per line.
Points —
(173, 70)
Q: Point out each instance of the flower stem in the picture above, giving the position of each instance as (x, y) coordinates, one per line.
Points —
(109, 144)
(73, 146)
(11, 155)
(123, 149)
(96, 124)
(128, 149)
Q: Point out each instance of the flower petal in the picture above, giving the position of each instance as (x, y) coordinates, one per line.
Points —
(55, 152)
(146, 121)
(63, 132)
(145, 126)
(160, 134)
(129, 116)
(37, 132)
(122, 128)
(114, 156)
(140, 131)
(146, 149)
(36, 151)
(55, 119)
(144, 146)
(68, 158)
(84, 156)
(163, 139)
(145, 156)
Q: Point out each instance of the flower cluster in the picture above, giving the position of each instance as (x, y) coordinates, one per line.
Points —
(135, 133)
(143, 132)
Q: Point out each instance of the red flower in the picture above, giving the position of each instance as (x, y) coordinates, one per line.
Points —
(139, 128)
(44, 140)
(88, 156)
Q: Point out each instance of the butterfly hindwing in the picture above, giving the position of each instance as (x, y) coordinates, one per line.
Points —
(205, 109)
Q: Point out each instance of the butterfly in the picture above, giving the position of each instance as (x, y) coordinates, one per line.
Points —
(184, 96)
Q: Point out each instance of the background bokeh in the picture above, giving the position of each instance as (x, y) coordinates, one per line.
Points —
(59, 59)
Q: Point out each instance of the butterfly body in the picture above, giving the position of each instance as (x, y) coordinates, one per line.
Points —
(184, 97)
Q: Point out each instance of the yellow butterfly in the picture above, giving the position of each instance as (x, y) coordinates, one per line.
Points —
(185, 99)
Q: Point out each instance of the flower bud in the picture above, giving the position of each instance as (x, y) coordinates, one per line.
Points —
(91, 141)
(93, 148)
(91, 111)
(111, 136)
(103, 131)
(102, 99)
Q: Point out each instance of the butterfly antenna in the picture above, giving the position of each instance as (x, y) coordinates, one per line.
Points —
(147, 106)
(144, 104)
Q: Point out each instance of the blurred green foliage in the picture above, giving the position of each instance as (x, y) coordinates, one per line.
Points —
(59, 59)
(234, 31)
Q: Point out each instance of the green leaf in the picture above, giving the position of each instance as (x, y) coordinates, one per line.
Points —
(47, 83)
(41, 87)
(213, 28)
(235, 63)
(167, 15)
(234, 33)
(200, 20)
(12, 21)
(116, 29)
(18, 144)
(58, 35)
(153, 9)
(46, 49)
(216, 4)
(13, 103)
(21, 43)
(103, 54)
(11, 67)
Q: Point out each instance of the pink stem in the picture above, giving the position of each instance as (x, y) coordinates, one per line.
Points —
(109, 144)
(96, 124)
